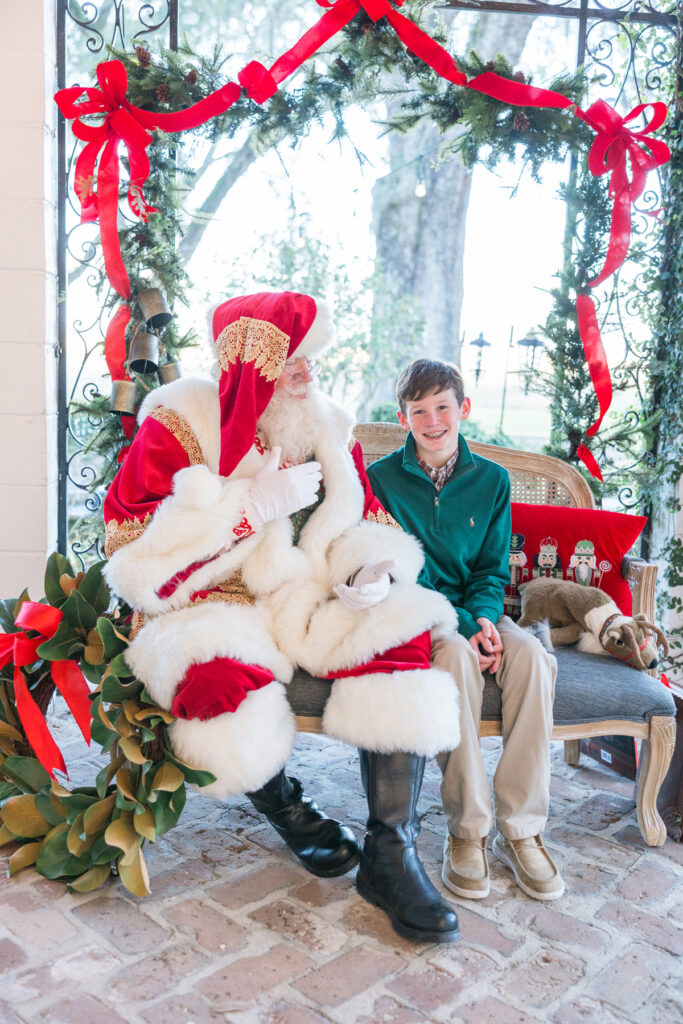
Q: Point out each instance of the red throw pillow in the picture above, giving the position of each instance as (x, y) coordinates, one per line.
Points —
(584, 545)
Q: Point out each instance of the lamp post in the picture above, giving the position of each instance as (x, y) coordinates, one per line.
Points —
(531, 342)
(481, 344)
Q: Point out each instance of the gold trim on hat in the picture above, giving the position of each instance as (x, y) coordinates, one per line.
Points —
(181, 430)
(253, 341)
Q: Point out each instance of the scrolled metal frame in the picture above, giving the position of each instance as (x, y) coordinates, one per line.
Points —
(106, 24)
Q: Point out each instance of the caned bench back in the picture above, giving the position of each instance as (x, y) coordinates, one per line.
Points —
(534, 479)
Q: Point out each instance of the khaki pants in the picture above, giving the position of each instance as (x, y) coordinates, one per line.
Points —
(526, 678)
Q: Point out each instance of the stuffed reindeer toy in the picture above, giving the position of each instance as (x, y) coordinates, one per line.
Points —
(587, 615)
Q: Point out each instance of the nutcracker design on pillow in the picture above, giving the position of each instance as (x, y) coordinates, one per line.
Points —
(583, 566)
(518, 574)
(547, 562)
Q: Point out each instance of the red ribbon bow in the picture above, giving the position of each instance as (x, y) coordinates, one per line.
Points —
(616, 145)
(22, 650)
(97, 185)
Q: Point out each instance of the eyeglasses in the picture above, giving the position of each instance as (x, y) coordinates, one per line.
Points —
(311, 367)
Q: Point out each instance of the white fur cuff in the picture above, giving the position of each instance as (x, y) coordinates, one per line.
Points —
(416, 712)
(243, 748)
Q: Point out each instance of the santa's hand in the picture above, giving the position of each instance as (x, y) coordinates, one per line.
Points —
(370, 585)
(275, 493)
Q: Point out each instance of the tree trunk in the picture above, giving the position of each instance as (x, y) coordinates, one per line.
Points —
(421, 241)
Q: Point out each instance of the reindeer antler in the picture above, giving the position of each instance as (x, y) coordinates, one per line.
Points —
(637, 660)
(650, 627)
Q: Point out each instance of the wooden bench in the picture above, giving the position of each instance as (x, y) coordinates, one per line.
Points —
(594, 695)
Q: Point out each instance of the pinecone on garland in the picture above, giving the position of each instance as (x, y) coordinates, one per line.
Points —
(490, 65)
(519, 77)
(191, 76)
(520, 122)
(162, 93)
(144, 56)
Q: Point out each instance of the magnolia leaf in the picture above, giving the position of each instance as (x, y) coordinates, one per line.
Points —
(54, 859)
(49, 811)
(57, 567)
(168, 808)
(104, 717)
(115, 692)
(113, 641)
(144, 713)
(26, 773)
(23, 596)
(131, 748)
(123, 726)
(98, 815)
(94, 590)
(58, 789)
(7, 616)
(57, 647)
(134, 874)
(68, 583)
(145, 823)
(77, 842)
(22, 817)
(78, 612)
(91, 879)
(93, 673)
(130, 709)
(24, 857)
(119, 667)
(124, 783)
(94, 649)
(105, 776)
(6, 835)
(168, 778)
(120, 833)
(196, 776)
(11, 732)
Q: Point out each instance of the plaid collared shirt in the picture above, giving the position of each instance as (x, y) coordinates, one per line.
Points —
(438, 476)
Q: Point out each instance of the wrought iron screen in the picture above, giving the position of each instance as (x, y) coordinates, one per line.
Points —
(626, 44)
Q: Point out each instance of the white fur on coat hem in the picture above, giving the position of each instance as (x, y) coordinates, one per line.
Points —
(243, 748)
(166, 646)
(416, 712)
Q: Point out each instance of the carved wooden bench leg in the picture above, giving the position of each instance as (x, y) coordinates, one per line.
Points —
(571, 751)
(655, 757)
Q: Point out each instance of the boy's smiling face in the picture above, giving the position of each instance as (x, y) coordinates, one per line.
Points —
(434, 421)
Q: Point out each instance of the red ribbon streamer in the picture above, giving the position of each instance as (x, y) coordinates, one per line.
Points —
(68, 678)
(595, 356)
(589, 461)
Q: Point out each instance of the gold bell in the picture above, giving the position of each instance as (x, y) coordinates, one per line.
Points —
(169, 372)
(144, 353)
(154, 309)
(124, 397)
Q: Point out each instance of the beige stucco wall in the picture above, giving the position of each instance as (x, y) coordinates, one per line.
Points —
(28, 416)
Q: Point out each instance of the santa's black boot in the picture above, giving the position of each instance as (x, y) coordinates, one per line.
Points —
(324, 846)
(391, 874)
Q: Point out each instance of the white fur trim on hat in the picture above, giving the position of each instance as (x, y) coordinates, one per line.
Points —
(416, 712)
(321, 334)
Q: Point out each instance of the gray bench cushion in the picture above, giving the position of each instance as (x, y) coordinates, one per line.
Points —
(589, 688)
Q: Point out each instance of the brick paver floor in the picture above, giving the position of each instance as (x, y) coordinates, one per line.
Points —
(236, 931)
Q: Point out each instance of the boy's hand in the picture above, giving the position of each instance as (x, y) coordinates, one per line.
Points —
(488, 646)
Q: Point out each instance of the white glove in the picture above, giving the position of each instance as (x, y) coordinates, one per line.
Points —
(370, 585)
(275, 493)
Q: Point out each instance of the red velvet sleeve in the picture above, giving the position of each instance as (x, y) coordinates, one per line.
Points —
(373, 509)
(143, 481)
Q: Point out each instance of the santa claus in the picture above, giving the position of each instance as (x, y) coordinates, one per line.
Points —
(243, 531)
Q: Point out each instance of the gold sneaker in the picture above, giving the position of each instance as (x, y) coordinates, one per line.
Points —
(533, 867)
(465, 870)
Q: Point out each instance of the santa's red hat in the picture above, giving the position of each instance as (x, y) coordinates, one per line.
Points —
(254, 336)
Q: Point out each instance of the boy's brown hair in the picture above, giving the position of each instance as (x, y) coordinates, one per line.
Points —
(425, 377)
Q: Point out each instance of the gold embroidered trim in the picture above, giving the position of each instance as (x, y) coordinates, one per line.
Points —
(181, 430)
(253, 341)
(138, 620)
(233, 591)
(384, 518)
(119, 534)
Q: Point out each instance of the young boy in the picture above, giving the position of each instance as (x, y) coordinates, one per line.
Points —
(458, 505)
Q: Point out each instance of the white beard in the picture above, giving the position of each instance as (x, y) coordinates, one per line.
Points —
(292, 424)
